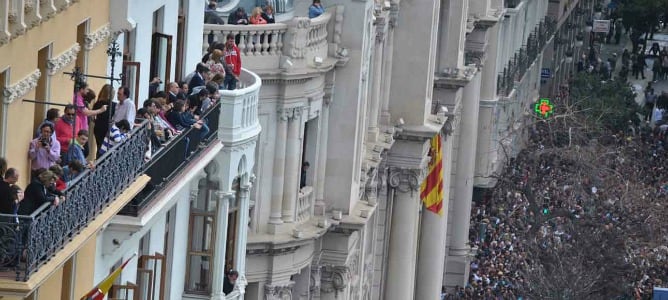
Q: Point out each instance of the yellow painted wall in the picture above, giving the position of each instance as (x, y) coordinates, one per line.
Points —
(85, 269)
(20, 55)
(51, 286)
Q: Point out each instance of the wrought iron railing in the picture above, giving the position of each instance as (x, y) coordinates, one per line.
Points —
(28, 242)
(525, 56)
(170, 160)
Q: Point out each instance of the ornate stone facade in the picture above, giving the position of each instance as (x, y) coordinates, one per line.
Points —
(93, 39)
(57, 63)
(21, 88)
(278, 292)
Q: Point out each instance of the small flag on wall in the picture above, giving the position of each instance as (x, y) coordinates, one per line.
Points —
(431, 190)
(102, 288)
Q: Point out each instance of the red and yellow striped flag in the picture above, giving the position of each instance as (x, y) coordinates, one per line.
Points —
(431, 190)
(102, 288)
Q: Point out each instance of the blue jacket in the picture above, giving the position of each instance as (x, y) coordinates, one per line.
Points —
(315, 11)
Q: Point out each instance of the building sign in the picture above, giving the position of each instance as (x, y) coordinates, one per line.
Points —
(601, 26)
(545, 73)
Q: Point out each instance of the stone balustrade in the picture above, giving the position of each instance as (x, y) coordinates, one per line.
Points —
(264, 47)
(239, 109)
(305, 204)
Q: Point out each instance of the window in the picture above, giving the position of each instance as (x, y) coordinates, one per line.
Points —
(201, 240)
(42, 90)
(82, 56)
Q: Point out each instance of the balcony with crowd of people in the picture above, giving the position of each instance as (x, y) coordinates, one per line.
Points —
(269, 42)
(99, 151)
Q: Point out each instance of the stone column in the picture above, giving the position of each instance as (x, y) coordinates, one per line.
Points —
(242, 229)
(278, 180)
(292, 166)
(489, 72)
(452, 32)
(278, 292)
(222, 216)
(372, 134)
(319, 208)
(457, 265)
(388, 52)
(433, 231)
(402, 256)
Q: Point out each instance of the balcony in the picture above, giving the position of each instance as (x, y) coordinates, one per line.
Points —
(30, 242)
(19, 16)
(231, 119)
(167, 162)
(298, 43)
(305, 204)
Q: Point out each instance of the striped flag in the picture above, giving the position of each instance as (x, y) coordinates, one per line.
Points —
(102, 288)
(431, 190)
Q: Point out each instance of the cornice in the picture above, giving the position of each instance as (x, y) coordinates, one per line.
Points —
(93, 39)
(455, 78)
(55, 64)
(21, 88)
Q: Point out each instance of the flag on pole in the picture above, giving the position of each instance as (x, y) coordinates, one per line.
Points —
(102, 288)
(431, 190)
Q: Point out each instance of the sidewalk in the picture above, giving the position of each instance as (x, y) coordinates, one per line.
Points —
(639, 85)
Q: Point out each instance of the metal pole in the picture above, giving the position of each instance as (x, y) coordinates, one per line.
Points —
(112, 52)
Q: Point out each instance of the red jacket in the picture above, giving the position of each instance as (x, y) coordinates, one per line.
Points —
(64, 134)
(233, 57)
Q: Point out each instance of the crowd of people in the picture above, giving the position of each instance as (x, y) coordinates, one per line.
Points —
(65, 145)
(623, 192)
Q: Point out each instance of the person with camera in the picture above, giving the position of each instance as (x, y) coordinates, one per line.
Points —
(44, 151)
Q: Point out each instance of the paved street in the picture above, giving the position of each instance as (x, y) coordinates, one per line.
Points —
(608, 49)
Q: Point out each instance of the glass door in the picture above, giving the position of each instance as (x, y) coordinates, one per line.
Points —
(161, 58)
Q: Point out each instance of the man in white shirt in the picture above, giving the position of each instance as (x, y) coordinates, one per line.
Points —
(125, 110)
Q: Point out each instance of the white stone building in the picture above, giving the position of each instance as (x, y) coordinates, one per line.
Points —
(188, 226)
(358, 93)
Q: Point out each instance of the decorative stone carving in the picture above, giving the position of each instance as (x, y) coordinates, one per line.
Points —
(314, 287)
(93, 39)
(47, 9)
(380, 29)
(278, 292)
(21, 88)
(404, 180)
(55, 64)
(289, 113)
(394, 14)
(340, 278)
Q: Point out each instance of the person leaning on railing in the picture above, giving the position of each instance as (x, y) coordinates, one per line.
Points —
(38, 192)
(182, 119)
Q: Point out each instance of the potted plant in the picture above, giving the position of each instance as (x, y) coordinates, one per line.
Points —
(589, 25)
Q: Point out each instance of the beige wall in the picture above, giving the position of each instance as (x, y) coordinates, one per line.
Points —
(85, 268)
(20, 56)
(52, 286)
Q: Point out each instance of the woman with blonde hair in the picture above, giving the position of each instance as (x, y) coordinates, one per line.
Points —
(101, 123)
(215, 63)
(256, 17)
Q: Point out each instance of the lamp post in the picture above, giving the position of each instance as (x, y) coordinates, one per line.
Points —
(112, 51)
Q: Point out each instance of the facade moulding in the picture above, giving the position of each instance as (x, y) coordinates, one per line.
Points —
(454, 78)
(489, 20)
(55, 64)
(91, 40)
(21, 88)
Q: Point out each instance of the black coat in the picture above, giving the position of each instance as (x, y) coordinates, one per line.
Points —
(35, 195)
(6, 204)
